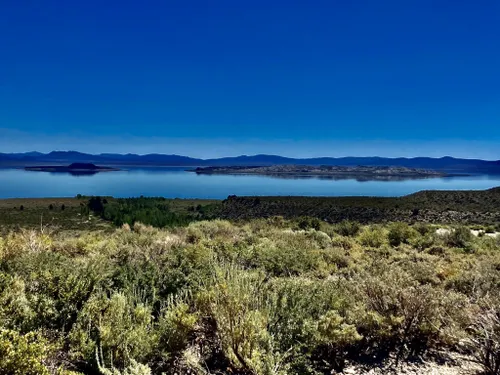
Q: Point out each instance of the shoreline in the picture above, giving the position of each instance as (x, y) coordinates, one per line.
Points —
(325, 171)
(340, 174)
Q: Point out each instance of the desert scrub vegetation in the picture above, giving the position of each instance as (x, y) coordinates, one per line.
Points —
(452, 207)
(99, 213)
(158, 212)
(265, 296)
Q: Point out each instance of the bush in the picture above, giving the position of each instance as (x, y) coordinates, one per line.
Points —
(423, 242)
(54, 288)
(400, 233)
(484, 339)
(280, 326)
(23, 354)
(95, 204)
(423, 228)
(134, 368)
(253, 297)
(118, 326)
(372, 237)
(404, 317)
(345, 243)
(311, 319)
(293, 253)
(347, 228)
(175, 326)
(236, 302)
(460, 237)
(309, 223)
(149, 211)
(15, 310)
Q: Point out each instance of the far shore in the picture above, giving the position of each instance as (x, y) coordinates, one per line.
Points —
(324, 171)
(75, 168)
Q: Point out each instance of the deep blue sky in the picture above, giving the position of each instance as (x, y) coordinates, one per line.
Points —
(211, 78)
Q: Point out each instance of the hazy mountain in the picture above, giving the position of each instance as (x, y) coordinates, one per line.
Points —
(449, 164)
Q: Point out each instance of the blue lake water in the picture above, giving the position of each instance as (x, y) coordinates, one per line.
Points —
(177, 183)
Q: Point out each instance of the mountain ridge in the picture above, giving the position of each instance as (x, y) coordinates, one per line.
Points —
(446, 163)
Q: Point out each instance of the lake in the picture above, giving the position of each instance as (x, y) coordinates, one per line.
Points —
(175, 182)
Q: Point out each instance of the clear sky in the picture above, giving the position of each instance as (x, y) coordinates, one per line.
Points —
(213, 78)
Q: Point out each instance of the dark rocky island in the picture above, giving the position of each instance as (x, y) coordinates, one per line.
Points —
(330, 172)
(74, 168)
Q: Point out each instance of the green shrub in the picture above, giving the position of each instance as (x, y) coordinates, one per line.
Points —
(372, 237)
(310, 318)
(293, 253)
(277, 222)
(118, 326)
(345, 243)
(420, 242)
(400, 233)
(236, 302)
(477, 281)
(215, 229)
(404, 317)
(175, 326)
(149, 211)
(347, 228)
(57, 287)
(134, 368)
(15, 310)
(309, 223)
(460, 237)
(23, 354)
(423, 228)
(253, 297)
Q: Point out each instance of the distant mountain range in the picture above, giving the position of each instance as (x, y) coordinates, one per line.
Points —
(448, 164)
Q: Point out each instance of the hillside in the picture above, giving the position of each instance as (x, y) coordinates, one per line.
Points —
(480, 207)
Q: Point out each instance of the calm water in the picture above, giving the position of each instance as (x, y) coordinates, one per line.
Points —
(176, 183)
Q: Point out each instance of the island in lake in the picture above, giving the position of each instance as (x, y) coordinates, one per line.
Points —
(327, 172)
(74, 168)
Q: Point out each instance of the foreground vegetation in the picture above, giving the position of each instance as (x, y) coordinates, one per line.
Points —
(266, 296)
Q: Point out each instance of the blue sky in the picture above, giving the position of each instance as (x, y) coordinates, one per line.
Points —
(213, 78)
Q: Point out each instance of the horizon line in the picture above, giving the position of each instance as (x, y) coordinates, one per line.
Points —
(246, 155)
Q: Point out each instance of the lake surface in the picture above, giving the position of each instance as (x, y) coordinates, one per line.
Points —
(177, 183)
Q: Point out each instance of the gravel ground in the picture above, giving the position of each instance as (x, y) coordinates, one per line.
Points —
(453, 365)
